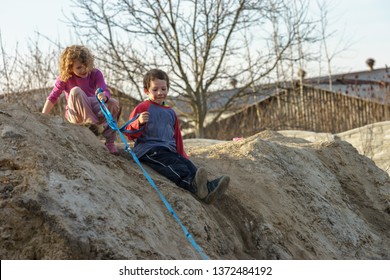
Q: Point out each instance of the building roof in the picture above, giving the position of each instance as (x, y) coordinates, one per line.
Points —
(373, 85)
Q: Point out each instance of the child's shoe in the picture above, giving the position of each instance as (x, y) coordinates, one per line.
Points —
(217, 188)
(200, 181)
(112, 148)
(94, 128)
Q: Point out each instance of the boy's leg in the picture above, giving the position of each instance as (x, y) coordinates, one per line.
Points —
(173, 166)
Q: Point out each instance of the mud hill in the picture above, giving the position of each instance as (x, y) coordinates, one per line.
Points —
(63, 196)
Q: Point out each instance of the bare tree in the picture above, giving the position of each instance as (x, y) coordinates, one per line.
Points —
(199, 43)
(6, 69)
(301, 25)
(341, 45)
(35, 69)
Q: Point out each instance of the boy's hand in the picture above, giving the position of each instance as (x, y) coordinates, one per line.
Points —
(143, 118)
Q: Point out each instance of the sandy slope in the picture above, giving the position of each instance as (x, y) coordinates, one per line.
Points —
(63, 196)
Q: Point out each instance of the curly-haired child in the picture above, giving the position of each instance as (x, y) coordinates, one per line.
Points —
(80, 80)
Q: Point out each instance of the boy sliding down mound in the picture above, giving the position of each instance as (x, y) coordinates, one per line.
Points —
(160, 144)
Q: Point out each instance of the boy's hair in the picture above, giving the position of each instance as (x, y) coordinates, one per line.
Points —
(70, 55)
(153, 74)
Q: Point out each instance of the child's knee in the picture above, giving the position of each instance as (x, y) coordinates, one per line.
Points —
(75, 91)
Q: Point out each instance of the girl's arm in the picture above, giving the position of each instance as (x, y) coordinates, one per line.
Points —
(47, 107)
(59, 87)
(100, 83)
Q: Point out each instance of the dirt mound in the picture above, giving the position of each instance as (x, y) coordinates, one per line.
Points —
(63, 196)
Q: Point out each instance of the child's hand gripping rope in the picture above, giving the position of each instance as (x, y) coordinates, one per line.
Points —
(111, 121)
(100, 95)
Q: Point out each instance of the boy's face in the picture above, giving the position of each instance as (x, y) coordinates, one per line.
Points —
(157, 91)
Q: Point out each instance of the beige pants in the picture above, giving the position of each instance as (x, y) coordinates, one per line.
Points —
(83, 109)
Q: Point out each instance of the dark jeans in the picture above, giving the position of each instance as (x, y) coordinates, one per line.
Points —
(172, 165)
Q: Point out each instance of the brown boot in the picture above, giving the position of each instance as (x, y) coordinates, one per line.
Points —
(200, 181)
(217, 188)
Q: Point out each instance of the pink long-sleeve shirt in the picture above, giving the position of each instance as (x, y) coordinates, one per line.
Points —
(88, 84)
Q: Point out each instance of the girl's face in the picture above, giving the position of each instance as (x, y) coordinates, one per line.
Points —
(80, 69)
(157, 91)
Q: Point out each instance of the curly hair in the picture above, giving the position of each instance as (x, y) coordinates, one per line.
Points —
(155, 74)
(70, 55)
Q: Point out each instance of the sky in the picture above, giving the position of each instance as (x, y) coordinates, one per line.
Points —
(365, 24)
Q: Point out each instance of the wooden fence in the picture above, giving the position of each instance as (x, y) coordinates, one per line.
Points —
(307, 109)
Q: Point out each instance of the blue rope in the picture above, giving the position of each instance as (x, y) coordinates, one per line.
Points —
(112, 123)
